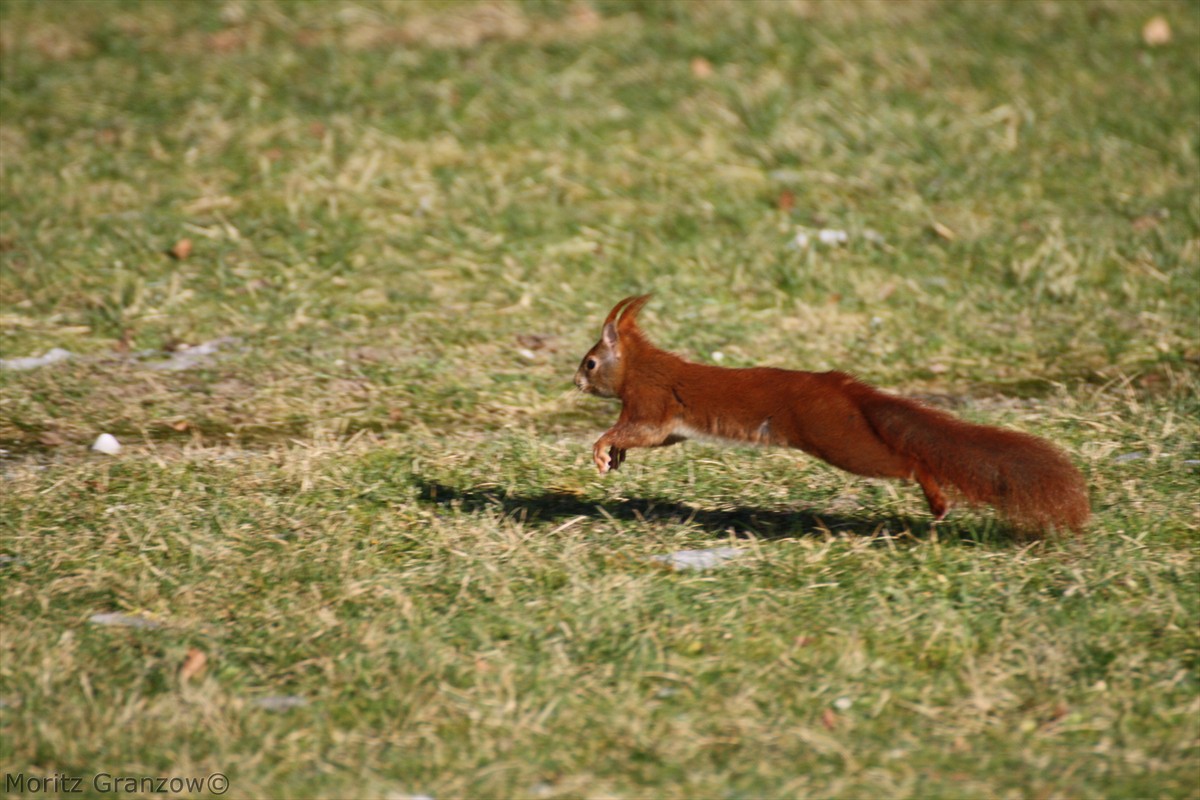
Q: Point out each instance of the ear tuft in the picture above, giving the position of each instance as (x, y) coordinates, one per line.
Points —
(629, 315)
(616, 310)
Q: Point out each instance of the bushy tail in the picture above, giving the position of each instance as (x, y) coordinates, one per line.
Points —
(1030, 481)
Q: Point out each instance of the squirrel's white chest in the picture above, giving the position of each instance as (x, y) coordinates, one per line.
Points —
(727, 433)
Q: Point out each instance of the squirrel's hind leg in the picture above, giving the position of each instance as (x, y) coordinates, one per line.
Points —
(938, 506)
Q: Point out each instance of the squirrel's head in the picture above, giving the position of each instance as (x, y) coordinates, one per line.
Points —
(602, 370)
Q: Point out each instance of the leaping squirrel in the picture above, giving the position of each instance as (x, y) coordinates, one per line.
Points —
(831, 415)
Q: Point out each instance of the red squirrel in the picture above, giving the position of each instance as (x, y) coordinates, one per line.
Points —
(831, 415)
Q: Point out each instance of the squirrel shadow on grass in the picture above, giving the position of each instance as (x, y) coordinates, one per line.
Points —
(742, 522)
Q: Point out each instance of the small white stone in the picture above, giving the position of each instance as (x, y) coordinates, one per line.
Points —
(280, 702)
(718, 355)
(123, 620)
(832, 236)
(699, 559)
(843, 703)
(107, 443)
(53, 356)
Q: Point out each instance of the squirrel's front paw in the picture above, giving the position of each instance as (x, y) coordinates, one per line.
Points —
(616, 457)
(601, 458)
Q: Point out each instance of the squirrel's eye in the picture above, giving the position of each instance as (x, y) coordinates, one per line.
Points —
(591, 363)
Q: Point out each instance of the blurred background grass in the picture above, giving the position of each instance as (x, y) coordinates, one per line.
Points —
(377, 174)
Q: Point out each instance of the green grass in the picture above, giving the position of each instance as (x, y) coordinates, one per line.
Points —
(412, 218)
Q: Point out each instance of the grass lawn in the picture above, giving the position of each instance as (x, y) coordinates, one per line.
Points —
(360, 550)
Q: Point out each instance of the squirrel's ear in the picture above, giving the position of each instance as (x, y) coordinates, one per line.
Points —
(609, 335)
(632, 306)
(612, 315)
